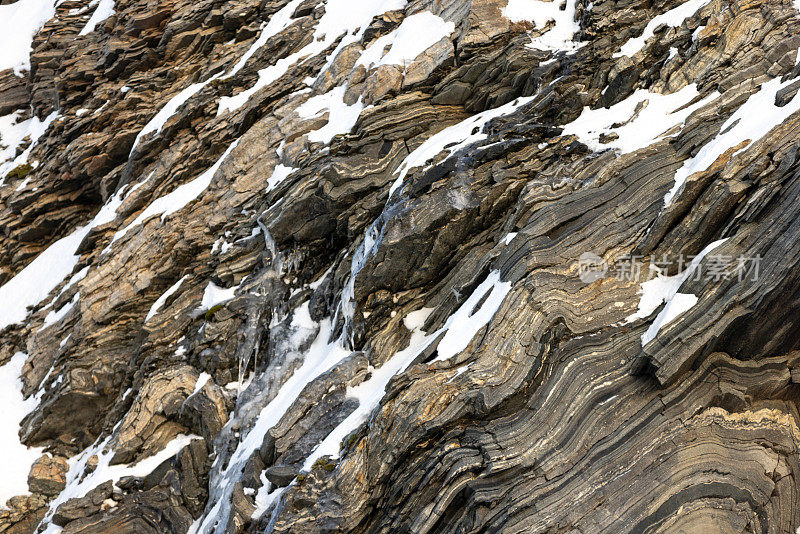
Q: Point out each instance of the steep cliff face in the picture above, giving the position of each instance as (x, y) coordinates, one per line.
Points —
(399, 266)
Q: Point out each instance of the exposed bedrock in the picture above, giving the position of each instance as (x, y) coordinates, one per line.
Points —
(316, 266)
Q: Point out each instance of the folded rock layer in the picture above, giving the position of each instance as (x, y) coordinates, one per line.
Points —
(321, 266)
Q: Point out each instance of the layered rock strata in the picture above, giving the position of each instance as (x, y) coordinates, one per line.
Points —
(317, 266)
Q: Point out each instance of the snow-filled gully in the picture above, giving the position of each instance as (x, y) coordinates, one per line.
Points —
(325, 353)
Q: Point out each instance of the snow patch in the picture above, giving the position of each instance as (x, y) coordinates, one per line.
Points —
(163, 298)
(214, 295)
(19, 23)
(13, 134)
(664, 289)
(77, 487)
(55, 316)
(179, 198)
(467, 320)
(454, 138)
(277, 23)
(17, 458)
(638, 120)
(414, 36)
(564, 26)
(752, 121)
(342, 17)
(105, 8)
(31, 285)
(202, 380)
(673, 18)
(341, 118)
(280, 173)
(156, 124)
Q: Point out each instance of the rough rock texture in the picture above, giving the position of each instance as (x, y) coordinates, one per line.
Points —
(48, 475)
(310, 291)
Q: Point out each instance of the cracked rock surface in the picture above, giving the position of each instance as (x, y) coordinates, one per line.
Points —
(317, 266)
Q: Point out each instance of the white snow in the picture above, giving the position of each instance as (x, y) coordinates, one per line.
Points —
(454, 138)
(163, 298)
(12, 135)
(265, 77)
(342, 17)
(109, 210)
(458, 331)
(31, 285)
(280, 173)
(16, 457)
(664, 289)
(414, 36)
(201, 381)
(105, 8)
(139, 184)
(265, 497)
(559, 36)
(370, 392)
(278, 22)
(80, 275)
(341, 118)
(466, 321)
(752, 121)
(214, 295)
(19, 23)
(679, 303)
(170, 108)
(77, 487)
(352, 17)
(659, 114)
(461, 370)
(56, 315)
(179, 198)
(674, 18)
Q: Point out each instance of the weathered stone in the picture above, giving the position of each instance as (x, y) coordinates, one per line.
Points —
(14, 94)
(280, 475)
(22, 514)
(407, 297)
(82, 507)
(48, 475)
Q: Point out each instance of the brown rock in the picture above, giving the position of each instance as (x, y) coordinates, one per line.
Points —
(23, 514)
(384, 80)
(48, 475)
(13, 93)
(85, 506)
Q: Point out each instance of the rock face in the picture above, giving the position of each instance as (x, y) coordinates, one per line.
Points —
(48, 475)
(403, 266)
